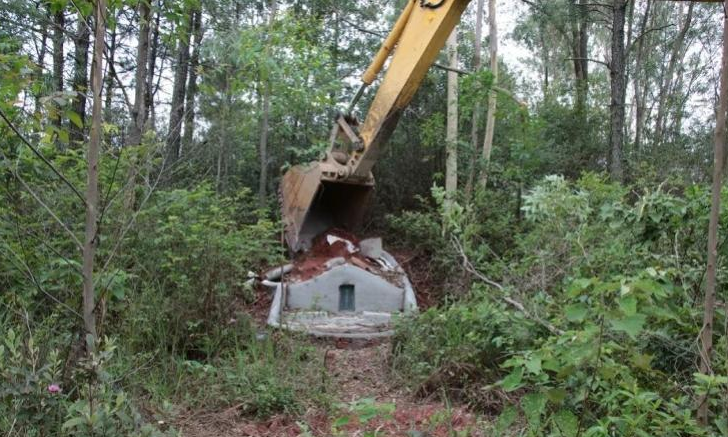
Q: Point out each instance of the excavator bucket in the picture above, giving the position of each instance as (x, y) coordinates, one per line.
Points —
(335, 192)
(311, 204)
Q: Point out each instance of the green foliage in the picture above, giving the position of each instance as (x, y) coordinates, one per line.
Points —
(202, 250)
(588, 325)
(103, 409)
(360, 412)
(606, 281)
(25, 400)
(457, 347)
(174, 303)
(284, 60)
(38, 399)
(264, 380)
(263, 376)
(421, 233)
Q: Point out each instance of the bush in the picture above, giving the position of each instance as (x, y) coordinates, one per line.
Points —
(603, 342)
(36, 399)
(195, 266)
(263, 377)
(457, 348)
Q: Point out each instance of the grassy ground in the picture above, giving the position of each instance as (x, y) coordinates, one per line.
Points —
(366, 400)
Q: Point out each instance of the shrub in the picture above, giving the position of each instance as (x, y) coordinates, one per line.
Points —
(36, 400)
(457, 348)
(262, 377)
(607, 280)
(195, 266)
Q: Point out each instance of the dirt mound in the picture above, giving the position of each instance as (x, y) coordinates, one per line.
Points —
(334, 243)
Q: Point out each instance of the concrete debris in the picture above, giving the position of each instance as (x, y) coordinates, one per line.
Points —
(331, 239)
(276, 273)
(328, 251)
(333, 262)
(371, 248)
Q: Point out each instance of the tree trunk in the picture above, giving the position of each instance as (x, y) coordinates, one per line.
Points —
(580, 45)
(706, 333)
(178, 93)
(189, 130)
(265, 121)
(639, 100)
(263, 145)
(109, 80)
(544, 57)
(40, 66)
(667, 82)
(92, 188)
(59, 23)
(618, 91)
(82, 40)
(477, 65)
(152, 63)
(492, 99)
(451, 162)
(139, 111)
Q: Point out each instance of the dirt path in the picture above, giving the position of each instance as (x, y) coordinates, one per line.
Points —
(371, 404)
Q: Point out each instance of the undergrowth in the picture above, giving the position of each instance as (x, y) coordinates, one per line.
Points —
(587, 326)
(176, 333)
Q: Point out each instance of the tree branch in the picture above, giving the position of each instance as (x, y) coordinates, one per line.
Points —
(40, 155)
(645, 33)
(364, 30)
(606, 64)
(451, 69)
(116, 77)
(46, 207)
(35, 282)
(468, 266)
(493, 87)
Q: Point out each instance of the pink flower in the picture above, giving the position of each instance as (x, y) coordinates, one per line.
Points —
(54, 389)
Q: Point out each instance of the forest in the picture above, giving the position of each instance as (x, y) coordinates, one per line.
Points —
(554, 192)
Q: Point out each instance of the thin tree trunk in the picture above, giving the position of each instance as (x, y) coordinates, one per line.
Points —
(639, 101)
(265, 121)
(82, 40)
(109, 79)
(580, 43)
(451, 161)
(178, 93)
(139, 111)
(477, 65)
(263, 145)
(706, 333)
(629, 109)
(152, 63)
(544, 57)
(666, 86)
(189, 130)
(40, 66)
(335, 38)
(92, 188)
(59, 23)
(492, 99)
(152, 107)
(223, 131)
(218, 173)
(618, 91)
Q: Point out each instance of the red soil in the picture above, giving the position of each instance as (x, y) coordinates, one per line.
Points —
(308, 264)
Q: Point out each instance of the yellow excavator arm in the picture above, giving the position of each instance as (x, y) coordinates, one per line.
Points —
(335, 191)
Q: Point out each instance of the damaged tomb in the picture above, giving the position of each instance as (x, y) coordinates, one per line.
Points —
(340, 287)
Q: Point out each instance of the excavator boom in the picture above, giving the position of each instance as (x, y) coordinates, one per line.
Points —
(335, 191)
